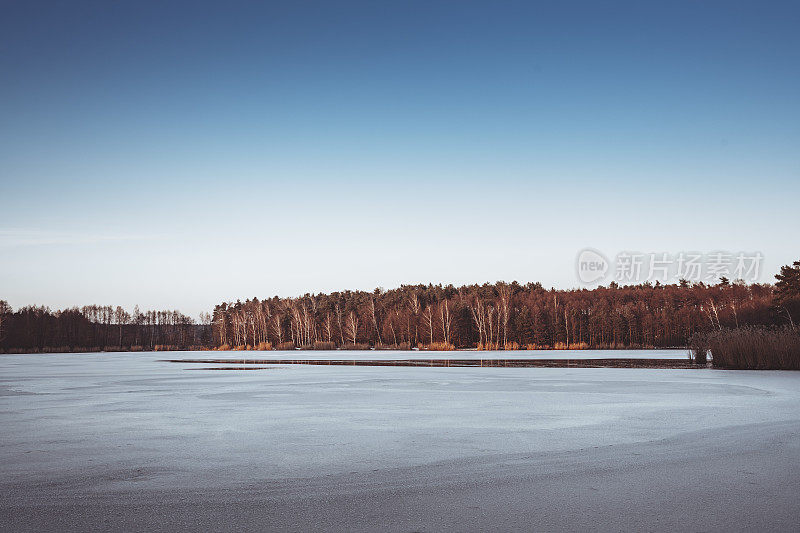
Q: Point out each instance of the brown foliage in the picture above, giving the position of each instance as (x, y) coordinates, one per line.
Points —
(285, 346)
(357, 346)
(490, 316)
(438, 347)
(755, 348)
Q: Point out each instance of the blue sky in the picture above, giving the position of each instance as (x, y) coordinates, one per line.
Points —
(176, 154)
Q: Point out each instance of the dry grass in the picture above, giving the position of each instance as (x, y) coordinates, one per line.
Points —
(756, 348)
(571, 346)
(558, 346)
(438, 347)
(357, 346)
(165, 348)
(285, 346)
(487, 346)
(401, 346)
(321, 345)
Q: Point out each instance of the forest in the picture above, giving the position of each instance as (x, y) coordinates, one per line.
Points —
(499, 316)
(99, 328)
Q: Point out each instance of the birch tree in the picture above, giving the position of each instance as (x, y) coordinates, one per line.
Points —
(352, 326)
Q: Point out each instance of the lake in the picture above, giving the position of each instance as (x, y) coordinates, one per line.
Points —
(433, 354)
(125, 440)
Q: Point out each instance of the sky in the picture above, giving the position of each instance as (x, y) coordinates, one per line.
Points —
(181, 154)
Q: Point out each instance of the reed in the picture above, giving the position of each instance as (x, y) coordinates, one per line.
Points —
(164, 348)
(285, 346)
(357, 346)
(400, 346)
(438, 347)
(487, 346)
(756, 348)
(321, 345)
(242, 348)
(571, 346)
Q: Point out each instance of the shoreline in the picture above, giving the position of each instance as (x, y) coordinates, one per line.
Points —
(80, 350)
(470, 363)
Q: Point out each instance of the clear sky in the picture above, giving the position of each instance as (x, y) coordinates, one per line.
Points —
(177, 154)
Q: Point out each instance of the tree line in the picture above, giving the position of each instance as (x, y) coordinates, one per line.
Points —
(94, 327)
(495, 316)
(492, 316)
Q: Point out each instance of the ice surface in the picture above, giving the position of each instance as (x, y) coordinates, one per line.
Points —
(424, 354)
(82, 428)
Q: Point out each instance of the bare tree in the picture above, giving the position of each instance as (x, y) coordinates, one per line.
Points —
(504, 297)
(490, 324)
(277, 327)
(4, 310)
(121, 317)
(715, 316)
(479, 316)
(446, 320)
(352, 326)
(391, 325)
(339, 321)
(414, 309)
(328, 326)
(222, 327)
(375, 319)
(203, 334)
(427, 317)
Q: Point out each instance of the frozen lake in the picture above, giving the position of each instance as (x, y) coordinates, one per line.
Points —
(123, 441)
(424, 354)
